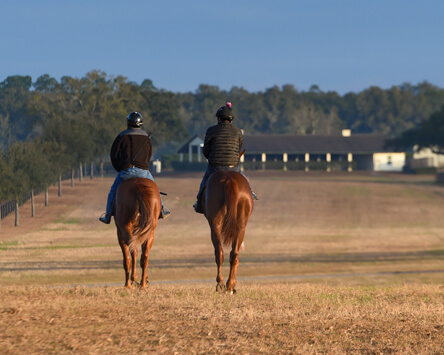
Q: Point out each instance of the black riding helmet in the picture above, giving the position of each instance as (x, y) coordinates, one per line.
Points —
(225, 112)
(135, 119)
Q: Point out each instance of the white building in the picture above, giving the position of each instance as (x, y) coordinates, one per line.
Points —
(346, 151)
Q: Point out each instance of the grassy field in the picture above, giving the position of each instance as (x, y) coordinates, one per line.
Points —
(193, 319)
(333, 263)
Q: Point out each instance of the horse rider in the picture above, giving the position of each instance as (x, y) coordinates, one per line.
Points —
(130, 156)
(222, 147)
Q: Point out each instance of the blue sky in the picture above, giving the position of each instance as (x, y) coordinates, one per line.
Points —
(339, 45)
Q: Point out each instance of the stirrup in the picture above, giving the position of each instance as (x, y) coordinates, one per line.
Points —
(164, 213)
(254, 195)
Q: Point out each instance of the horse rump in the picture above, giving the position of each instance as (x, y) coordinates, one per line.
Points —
(137, 210)
(230, 194)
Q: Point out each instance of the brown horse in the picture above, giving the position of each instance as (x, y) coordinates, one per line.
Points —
(137, 210)
(227, 205)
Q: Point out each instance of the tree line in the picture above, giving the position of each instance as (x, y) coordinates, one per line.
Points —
(50, 126)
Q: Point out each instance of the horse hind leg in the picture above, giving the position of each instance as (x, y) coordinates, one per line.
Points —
(126, 262)
(216, 238)
(144, 260)
(234, 262)
(134, 267)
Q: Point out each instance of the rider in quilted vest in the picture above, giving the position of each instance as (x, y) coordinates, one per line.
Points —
(222, 148)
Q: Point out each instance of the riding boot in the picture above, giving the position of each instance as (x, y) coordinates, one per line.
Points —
(164, 213)
(105, 218)
(198, 205)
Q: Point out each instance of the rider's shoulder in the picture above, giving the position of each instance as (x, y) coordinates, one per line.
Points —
(212, 129)
(133, 132)
(237, 130)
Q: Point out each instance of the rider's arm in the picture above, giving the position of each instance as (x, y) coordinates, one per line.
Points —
(241, 141)
(116, 153)
(207, 145)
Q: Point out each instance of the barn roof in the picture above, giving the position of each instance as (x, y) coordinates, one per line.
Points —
(294, 144)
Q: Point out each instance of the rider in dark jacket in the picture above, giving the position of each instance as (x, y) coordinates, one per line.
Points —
(222, 148)
(130, 156)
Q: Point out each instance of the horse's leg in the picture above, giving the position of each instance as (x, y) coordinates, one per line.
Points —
(144, 260)
(144, 265)
(134, 266)
(216, 238)
(234, 261)
(126, 260)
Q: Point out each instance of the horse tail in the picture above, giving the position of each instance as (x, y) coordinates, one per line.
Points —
(146, 225)
(230, 225)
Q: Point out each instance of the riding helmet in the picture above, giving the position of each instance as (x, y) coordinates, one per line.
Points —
(135, 119)
(225, 112)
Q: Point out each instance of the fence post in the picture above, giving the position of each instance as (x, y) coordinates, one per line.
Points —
(60, 184)
(32, 203)
(16, 214)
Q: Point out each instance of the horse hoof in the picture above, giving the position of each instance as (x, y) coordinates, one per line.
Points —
(221, 288)
(144, 286)
(232, 292)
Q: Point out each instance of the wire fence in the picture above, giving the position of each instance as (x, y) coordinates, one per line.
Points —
(8, 207)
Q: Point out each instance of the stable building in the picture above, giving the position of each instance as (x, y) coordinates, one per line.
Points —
(311, 152)
(191, 151)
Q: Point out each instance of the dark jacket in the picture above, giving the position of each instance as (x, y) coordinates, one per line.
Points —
(127, 145)
(222, 144)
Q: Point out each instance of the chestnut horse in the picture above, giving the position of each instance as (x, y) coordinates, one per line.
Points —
(227, 205)
(137, 210)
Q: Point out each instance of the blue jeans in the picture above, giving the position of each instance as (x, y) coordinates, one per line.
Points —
(121, 177)
(212, 169)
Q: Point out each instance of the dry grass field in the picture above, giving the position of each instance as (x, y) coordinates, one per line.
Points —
(193, 319)
(333, 263)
